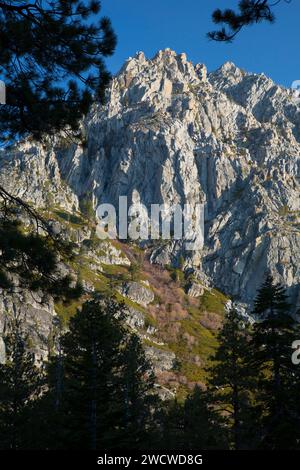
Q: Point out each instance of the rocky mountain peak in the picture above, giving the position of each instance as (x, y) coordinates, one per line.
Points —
(171, 133)
(166, 74)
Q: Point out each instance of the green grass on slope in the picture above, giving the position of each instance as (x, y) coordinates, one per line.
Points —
(195, 340)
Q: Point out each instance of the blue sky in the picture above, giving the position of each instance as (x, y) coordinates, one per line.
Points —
(182, 25)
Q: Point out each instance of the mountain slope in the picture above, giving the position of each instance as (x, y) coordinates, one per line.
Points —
(229, 139)
(171, 133)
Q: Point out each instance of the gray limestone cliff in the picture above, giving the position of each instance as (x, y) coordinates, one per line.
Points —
(171, 133)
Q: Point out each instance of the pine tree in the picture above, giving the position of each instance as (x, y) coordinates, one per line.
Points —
(270, 348)
(249, 12)
(20, 384)
(137, 397)
(100, 387)
(229, 380)
(49, 424)
(31, 260)
(202, 426)
(91, 364)
(172, 424)
(52, 62)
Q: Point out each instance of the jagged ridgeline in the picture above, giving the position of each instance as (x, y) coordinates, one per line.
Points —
(172, 133)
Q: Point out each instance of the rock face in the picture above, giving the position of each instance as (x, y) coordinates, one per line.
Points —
(111, 255)
(37, 316)
(137, 293)
(171, 133)
(195, 289)
(162, 360)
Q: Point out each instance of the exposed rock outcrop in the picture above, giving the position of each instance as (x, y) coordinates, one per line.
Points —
(137, 293)
(171, 133)
(162, 360)
(194, 289)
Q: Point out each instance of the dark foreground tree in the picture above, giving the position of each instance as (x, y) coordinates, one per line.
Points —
(249, 12)
(52, 63)
(100, 386)
(203, 428)
(139, 404)
(271, 351)
(29, 260)
(51, 56)
(20, 384)
(172, 426)
(230, 379)
(191, 424)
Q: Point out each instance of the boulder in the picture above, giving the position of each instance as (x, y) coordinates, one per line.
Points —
(137, 292)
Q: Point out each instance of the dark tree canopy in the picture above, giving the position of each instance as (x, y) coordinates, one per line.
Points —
(20, 384)
(230, 378)
(30, 253)
(52, 62)
(277, 383)
(249, 12)
(102, 384)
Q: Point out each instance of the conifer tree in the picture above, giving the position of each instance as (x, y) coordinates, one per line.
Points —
(52, 62)
(249, 12)
(172, 424)
(30, 260)
(202, 426)
(91, 364)
(101, 386)
(270, 348)
(20, 384)
(137, 397)
(229, 380)
(191, 424)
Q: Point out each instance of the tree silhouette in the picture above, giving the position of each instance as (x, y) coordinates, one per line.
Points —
(203, 428)
(249, 12)
(20, 383)
(230, 379)
(52, 63)
(136, 395)
(270, 355)
(29, 260)
(100, 384)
